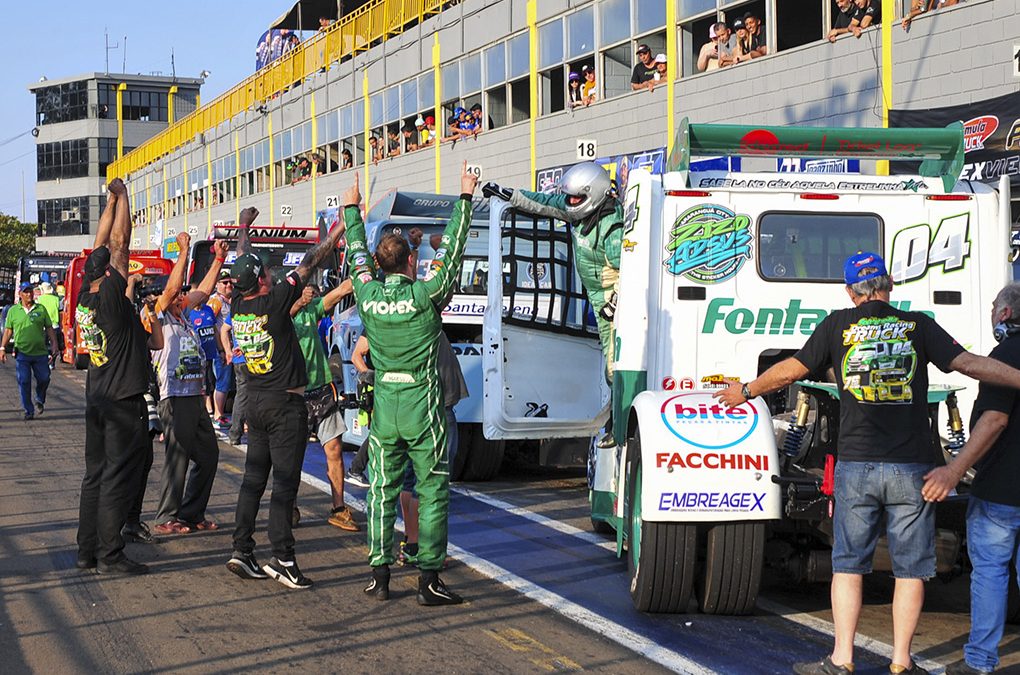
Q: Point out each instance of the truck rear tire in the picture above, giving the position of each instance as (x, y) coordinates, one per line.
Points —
(733, 562)
(661, 557)
(81, 361)
(479, 459)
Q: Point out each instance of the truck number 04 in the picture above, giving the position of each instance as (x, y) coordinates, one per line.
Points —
(915, 250)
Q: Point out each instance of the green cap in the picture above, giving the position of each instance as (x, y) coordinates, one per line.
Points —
(246, 271)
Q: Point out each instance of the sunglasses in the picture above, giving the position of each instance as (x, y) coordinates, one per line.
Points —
(227, 282)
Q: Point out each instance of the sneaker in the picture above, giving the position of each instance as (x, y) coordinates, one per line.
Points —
(964, 668)
(343, 518)
(85, 562)
(379, 587)
(222, 423)
(245, 566)
(432, 591)
(287, 573)
(914, 669)
(356, 478)
(408, 554)
(123, 567)
(29, 417)
(138, 533)
(823, 667)
(39, 408)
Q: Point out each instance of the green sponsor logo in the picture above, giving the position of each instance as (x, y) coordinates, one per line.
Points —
(794, 319)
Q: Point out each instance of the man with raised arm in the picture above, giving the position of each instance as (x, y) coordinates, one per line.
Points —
(276, 414)
(402, 317)
(116, 419)
(180, 370)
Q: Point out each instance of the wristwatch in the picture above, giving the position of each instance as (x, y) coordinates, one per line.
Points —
(745, 391)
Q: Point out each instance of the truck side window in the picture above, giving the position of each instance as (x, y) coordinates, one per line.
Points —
(798, 246)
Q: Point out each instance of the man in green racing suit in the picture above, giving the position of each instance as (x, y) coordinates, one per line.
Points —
(587, 201)
(402, 318)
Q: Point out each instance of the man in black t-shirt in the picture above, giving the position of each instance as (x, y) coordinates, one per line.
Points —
(644, 71)
(993, 516)
(842, 19)
(880, 356)
(755, 36)
(116, 416)
(276, 413)
(866, 13)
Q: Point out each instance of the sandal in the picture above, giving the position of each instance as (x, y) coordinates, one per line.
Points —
(206, 525)
(172, 527)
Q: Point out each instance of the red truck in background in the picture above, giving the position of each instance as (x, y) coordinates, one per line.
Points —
(150, 263)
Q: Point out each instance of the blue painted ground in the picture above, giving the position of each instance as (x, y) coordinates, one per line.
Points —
(595, 579)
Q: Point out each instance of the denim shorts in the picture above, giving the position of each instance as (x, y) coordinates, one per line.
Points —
(865, 491)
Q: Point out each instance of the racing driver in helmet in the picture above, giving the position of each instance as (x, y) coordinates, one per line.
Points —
(587, 201)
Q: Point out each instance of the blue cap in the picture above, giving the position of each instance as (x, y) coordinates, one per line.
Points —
(862, 266)
(26, 286)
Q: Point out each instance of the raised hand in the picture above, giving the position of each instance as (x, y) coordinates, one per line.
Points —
(116, 187)
(249, 215)
(184, 243)
(415, 236)
(220, 249)
(352, 195)
(468, 181)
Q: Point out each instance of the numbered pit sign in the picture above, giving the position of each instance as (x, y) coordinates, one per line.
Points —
(587, 149)
(332, 201)
(476, 170)
(286, 210)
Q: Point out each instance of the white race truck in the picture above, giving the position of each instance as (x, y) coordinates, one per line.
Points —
(722, 275)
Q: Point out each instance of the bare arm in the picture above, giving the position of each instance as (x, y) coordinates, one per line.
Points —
(782, 374)
(54, 346)
(359, 353)
(703, 58)
(155, 341)
(8, 334)
(106, 221)
(330, 300)
(225, 342)
(318, 253)
(120, 234)
(248, 217)
(986, 369)
(132, 284)
(205, 288)
(940, 481)
(175, 282)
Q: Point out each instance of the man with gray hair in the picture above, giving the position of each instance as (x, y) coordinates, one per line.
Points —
(718, 51)
(993, 515)
(880, 356)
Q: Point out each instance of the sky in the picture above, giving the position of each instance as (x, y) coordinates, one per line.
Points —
(66, 38)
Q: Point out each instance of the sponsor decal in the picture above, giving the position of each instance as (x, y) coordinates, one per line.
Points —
(466, 350)
(711, 460)
(382, 307)
(708, 244)
(628, 245)
(135, 267)
(720, 316)
(364, 277)
(708, 424)
(630, 214)
(978, 130)
(535, 273)
(1013, 137)
(469, 308)
(815, 185)
(686, 384)
(717, 381)
(764, 142)
(293, 258)
(712, 501)
(668, 383)
(880, 363)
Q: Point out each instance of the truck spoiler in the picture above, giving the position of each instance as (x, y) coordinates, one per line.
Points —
(941, 150)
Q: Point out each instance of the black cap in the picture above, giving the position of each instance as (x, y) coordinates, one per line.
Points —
(246, 271)
(96, 264)
(643, 48)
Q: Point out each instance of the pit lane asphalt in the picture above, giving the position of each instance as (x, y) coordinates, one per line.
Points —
(544, 594)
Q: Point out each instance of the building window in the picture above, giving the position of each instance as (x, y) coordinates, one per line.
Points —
(581, 32)
(61, 103)
(495, 65)
(64, 216)
(62, 159)
(471, 73)
(519, 56)
(650, 14)
(614, 20)
(550, 43)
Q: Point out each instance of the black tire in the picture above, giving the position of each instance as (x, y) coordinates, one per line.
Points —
(661, 557)
(484, 458)
(734, 554)
(81, 361)
(601, 527)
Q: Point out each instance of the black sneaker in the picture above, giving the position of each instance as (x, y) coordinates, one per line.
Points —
(29, 417)
(914, 669)
(356, 478)
(287, 573)
(964, 668)
(85, 561)
(245, 566)
(823, 667)
(432, 591)
(39, 408)
(123, 567)
(379, 587)
(138, 533)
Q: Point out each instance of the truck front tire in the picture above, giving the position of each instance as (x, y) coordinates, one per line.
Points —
(734, 554)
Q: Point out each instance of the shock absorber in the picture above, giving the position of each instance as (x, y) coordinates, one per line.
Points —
(798, 426)
(957, 436)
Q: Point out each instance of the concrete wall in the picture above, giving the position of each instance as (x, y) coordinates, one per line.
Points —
(948, 57)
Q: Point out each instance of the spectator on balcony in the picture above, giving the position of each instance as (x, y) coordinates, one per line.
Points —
(588, 86)
(393, 142)
(756, 35)
(430, 128)
(410, 138)
(644, 71)
(324, 23)
(868, 13)
(375, 149)
(574, 97)
(718, 52)
(918, 7)
(841, 21)
(476, 113)
(468, 121)
(348, 159)
(660, 75)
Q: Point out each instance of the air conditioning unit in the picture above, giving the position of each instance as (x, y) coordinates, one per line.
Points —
(70, 214)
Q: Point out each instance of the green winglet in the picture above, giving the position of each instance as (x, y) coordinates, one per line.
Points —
(948, 168)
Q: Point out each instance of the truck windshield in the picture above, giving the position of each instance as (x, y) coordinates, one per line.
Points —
(798, 246)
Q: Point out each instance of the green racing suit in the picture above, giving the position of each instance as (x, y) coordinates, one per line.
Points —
(597, 241)
(402, 319)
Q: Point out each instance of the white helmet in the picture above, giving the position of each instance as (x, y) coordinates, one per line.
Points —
(589, 182)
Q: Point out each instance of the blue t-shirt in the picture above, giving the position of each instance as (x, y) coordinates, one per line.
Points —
(238, 357)
(203, 322)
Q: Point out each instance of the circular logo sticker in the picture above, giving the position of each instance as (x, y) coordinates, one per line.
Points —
(706, 422)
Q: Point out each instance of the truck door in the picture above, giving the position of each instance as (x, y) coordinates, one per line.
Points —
(544, 375)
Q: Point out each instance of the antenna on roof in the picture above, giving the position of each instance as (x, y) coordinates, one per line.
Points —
(173, 68)
(123, 67)
(106, 34)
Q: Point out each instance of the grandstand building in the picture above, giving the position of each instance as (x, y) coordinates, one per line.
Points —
(280, 139)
